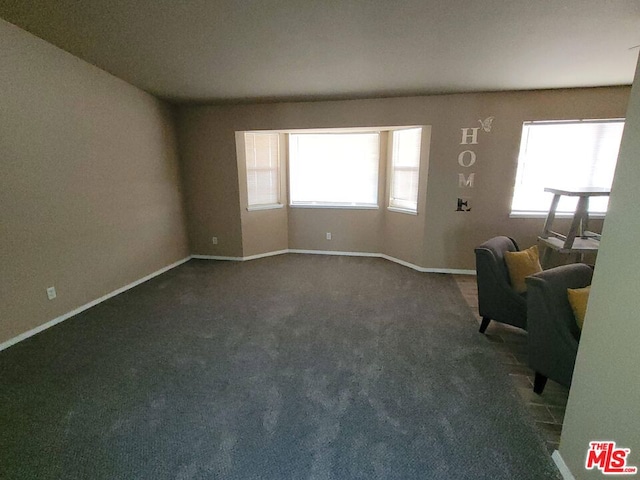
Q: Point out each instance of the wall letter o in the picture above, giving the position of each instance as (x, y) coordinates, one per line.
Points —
(472, 158)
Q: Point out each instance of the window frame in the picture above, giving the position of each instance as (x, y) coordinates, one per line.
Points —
(521, 170)
(278, 172)
(383, 171)
(391, 162)
(336, 205)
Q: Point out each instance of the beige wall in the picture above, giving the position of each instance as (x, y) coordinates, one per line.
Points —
(439, 237)
(604, 403)
(89, 191)
(210, 183)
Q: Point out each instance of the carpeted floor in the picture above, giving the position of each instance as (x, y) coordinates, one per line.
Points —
(289, 367)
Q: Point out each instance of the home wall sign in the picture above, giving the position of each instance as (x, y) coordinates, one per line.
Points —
(467, 159)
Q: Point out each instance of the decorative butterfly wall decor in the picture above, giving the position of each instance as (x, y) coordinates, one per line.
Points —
(486, 123)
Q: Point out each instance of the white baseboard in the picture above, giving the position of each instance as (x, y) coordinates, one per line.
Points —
(240, 259)
(562, 467)
(62, 318)
(334, 252)
(453, 271)
(263, 255)
(218, 257)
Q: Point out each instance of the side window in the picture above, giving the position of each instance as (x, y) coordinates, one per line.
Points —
(405, 169)
(263, 169)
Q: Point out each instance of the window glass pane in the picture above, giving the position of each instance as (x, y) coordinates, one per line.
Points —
(565, 155)
(263, 172)
(405, 166)
(334, 168)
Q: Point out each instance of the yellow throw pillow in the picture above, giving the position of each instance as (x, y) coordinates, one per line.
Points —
(520, 265)
(578, 298)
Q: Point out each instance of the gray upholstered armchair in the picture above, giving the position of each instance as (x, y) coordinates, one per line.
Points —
(553, 332)
(497, 300)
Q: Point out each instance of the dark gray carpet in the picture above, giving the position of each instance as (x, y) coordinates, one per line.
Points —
(290, 367)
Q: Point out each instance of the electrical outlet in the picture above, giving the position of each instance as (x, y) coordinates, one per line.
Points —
(51, 293)
(328, 235)
(215, 240)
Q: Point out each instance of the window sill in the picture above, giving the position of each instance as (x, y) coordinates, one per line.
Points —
(339, 207)
(272, 206)
(523, 214)
(402, 210)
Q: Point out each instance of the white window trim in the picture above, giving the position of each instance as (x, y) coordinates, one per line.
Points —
(271, 206)
(406, 211)
(540, 214)
(356, 206)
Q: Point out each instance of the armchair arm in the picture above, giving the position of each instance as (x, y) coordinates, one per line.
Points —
(553, 332)
(496, 298)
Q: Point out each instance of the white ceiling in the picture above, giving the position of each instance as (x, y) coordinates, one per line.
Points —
(231, 50)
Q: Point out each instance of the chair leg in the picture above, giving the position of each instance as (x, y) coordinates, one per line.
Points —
(538, 383)
(484, 324)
